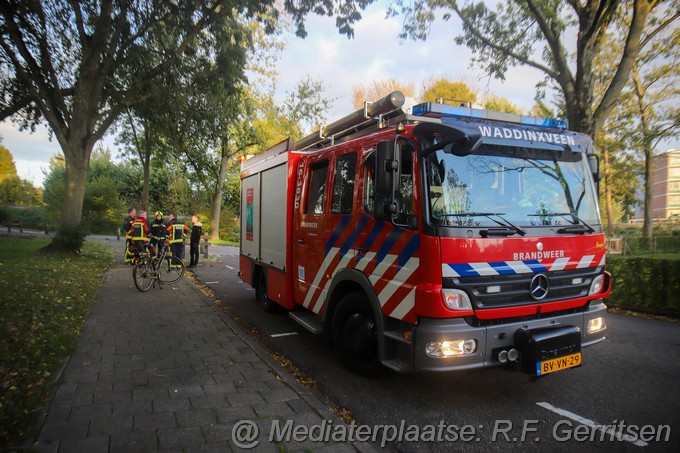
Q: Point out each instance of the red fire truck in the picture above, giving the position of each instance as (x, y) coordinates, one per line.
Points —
(433, 237)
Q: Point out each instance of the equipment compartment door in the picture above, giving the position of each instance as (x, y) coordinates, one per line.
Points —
(308, 241)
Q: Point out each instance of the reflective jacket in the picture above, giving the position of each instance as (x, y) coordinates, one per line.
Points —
(177, 231)
(159, 229)
(139, 230)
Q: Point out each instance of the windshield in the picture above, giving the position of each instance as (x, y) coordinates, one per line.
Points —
(528, 187)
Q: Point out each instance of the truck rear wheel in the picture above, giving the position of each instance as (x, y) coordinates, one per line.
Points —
(265, 302)
(355, 334)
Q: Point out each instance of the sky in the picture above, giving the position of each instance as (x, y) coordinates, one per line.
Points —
(375, 53)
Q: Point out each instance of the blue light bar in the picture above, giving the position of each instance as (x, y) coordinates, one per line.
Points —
(434, 110)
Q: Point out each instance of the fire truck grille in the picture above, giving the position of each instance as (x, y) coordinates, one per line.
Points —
(500, 291)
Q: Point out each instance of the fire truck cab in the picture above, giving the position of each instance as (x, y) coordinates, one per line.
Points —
(437, 237)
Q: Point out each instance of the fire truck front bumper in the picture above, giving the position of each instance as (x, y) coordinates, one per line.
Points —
(452, 344)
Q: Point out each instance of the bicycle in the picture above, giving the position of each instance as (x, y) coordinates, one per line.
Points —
(160, 268)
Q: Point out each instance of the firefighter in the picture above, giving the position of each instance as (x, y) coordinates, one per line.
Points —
(159, 231)
(139, 233)
(196, 232)
(177, 232)
(127, 224)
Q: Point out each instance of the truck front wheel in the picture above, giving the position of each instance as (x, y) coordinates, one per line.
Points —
(355, 334)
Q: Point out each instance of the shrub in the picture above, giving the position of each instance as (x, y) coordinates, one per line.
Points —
(645, 283)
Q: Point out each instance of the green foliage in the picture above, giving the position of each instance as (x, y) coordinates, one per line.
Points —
(443, 88)
(377, 89)
(32, 217)
(46, 299)
(68, 240)
(7, 167)
(230, 226)
(540, 34)
(19, 192)
(666, 239)
(647, 283)
(231, 196)
(103, 205)
(501, 104)
(157, 51)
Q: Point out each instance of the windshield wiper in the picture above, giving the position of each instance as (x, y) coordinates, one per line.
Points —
(575, 227)
(491, 231)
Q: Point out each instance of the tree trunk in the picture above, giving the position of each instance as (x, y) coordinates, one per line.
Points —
(69, 236)
(146, 164)
(608, 204)
(74, 195)
(648, 228)
(217, 200)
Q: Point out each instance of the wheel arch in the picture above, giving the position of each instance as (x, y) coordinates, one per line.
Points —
(255, 270)
(345, 282)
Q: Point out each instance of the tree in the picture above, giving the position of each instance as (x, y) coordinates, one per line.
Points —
(379, 89)
(655, 94)
(102, 203)
(500, 104)
(620, 170)
(646, 114)
(443, 88)
(80, 64)
(304, 108)
(534, 33)
(7, 167)
(19, 192)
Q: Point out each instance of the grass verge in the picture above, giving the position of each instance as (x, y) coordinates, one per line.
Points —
(44, 302)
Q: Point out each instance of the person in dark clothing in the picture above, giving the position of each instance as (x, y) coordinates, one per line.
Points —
(159, 231)
(127, 225)
(177, 231)
(196, 232)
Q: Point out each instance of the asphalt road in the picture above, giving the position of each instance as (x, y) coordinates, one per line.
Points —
(629, 386)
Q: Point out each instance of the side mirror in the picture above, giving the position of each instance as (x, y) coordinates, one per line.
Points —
(387, 170)
(388, 157)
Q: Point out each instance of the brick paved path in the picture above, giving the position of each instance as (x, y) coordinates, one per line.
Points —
(165, 371)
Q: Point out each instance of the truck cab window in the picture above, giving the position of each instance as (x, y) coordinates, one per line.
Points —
(343, 187)
(316, 187)
(369, 184)
(404, 194)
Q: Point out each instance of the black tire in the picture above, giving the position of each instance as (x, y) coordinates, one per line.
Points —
(142, 274)
(263, 300)
(355, 334)
(171, 269)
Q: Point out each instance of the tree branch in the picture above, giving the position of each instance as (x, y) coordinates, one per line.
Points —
(658, 29)
(630, 52)
(505, 50)
(563, 75)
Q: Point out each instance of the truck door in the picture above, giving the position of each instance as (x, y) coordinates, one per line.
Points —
(308, 240)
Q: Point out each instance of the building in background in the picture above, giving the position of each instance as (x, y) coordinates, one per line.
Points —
(666, 185)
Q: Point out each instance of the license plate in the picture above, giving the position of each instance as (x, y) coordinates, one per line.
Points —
(560, 363)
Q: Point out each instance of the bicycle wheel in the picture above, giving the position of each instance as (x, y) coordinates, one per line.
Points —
(171, 270)
(142, 274)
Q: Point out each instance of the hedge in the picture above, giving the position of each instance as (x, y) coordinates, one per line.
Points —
(646, 284)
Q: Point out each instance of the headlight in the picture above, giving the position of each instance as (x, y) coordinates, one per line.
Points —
(597, 285)
(596, 325)
(455, 299)
(450, 348)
